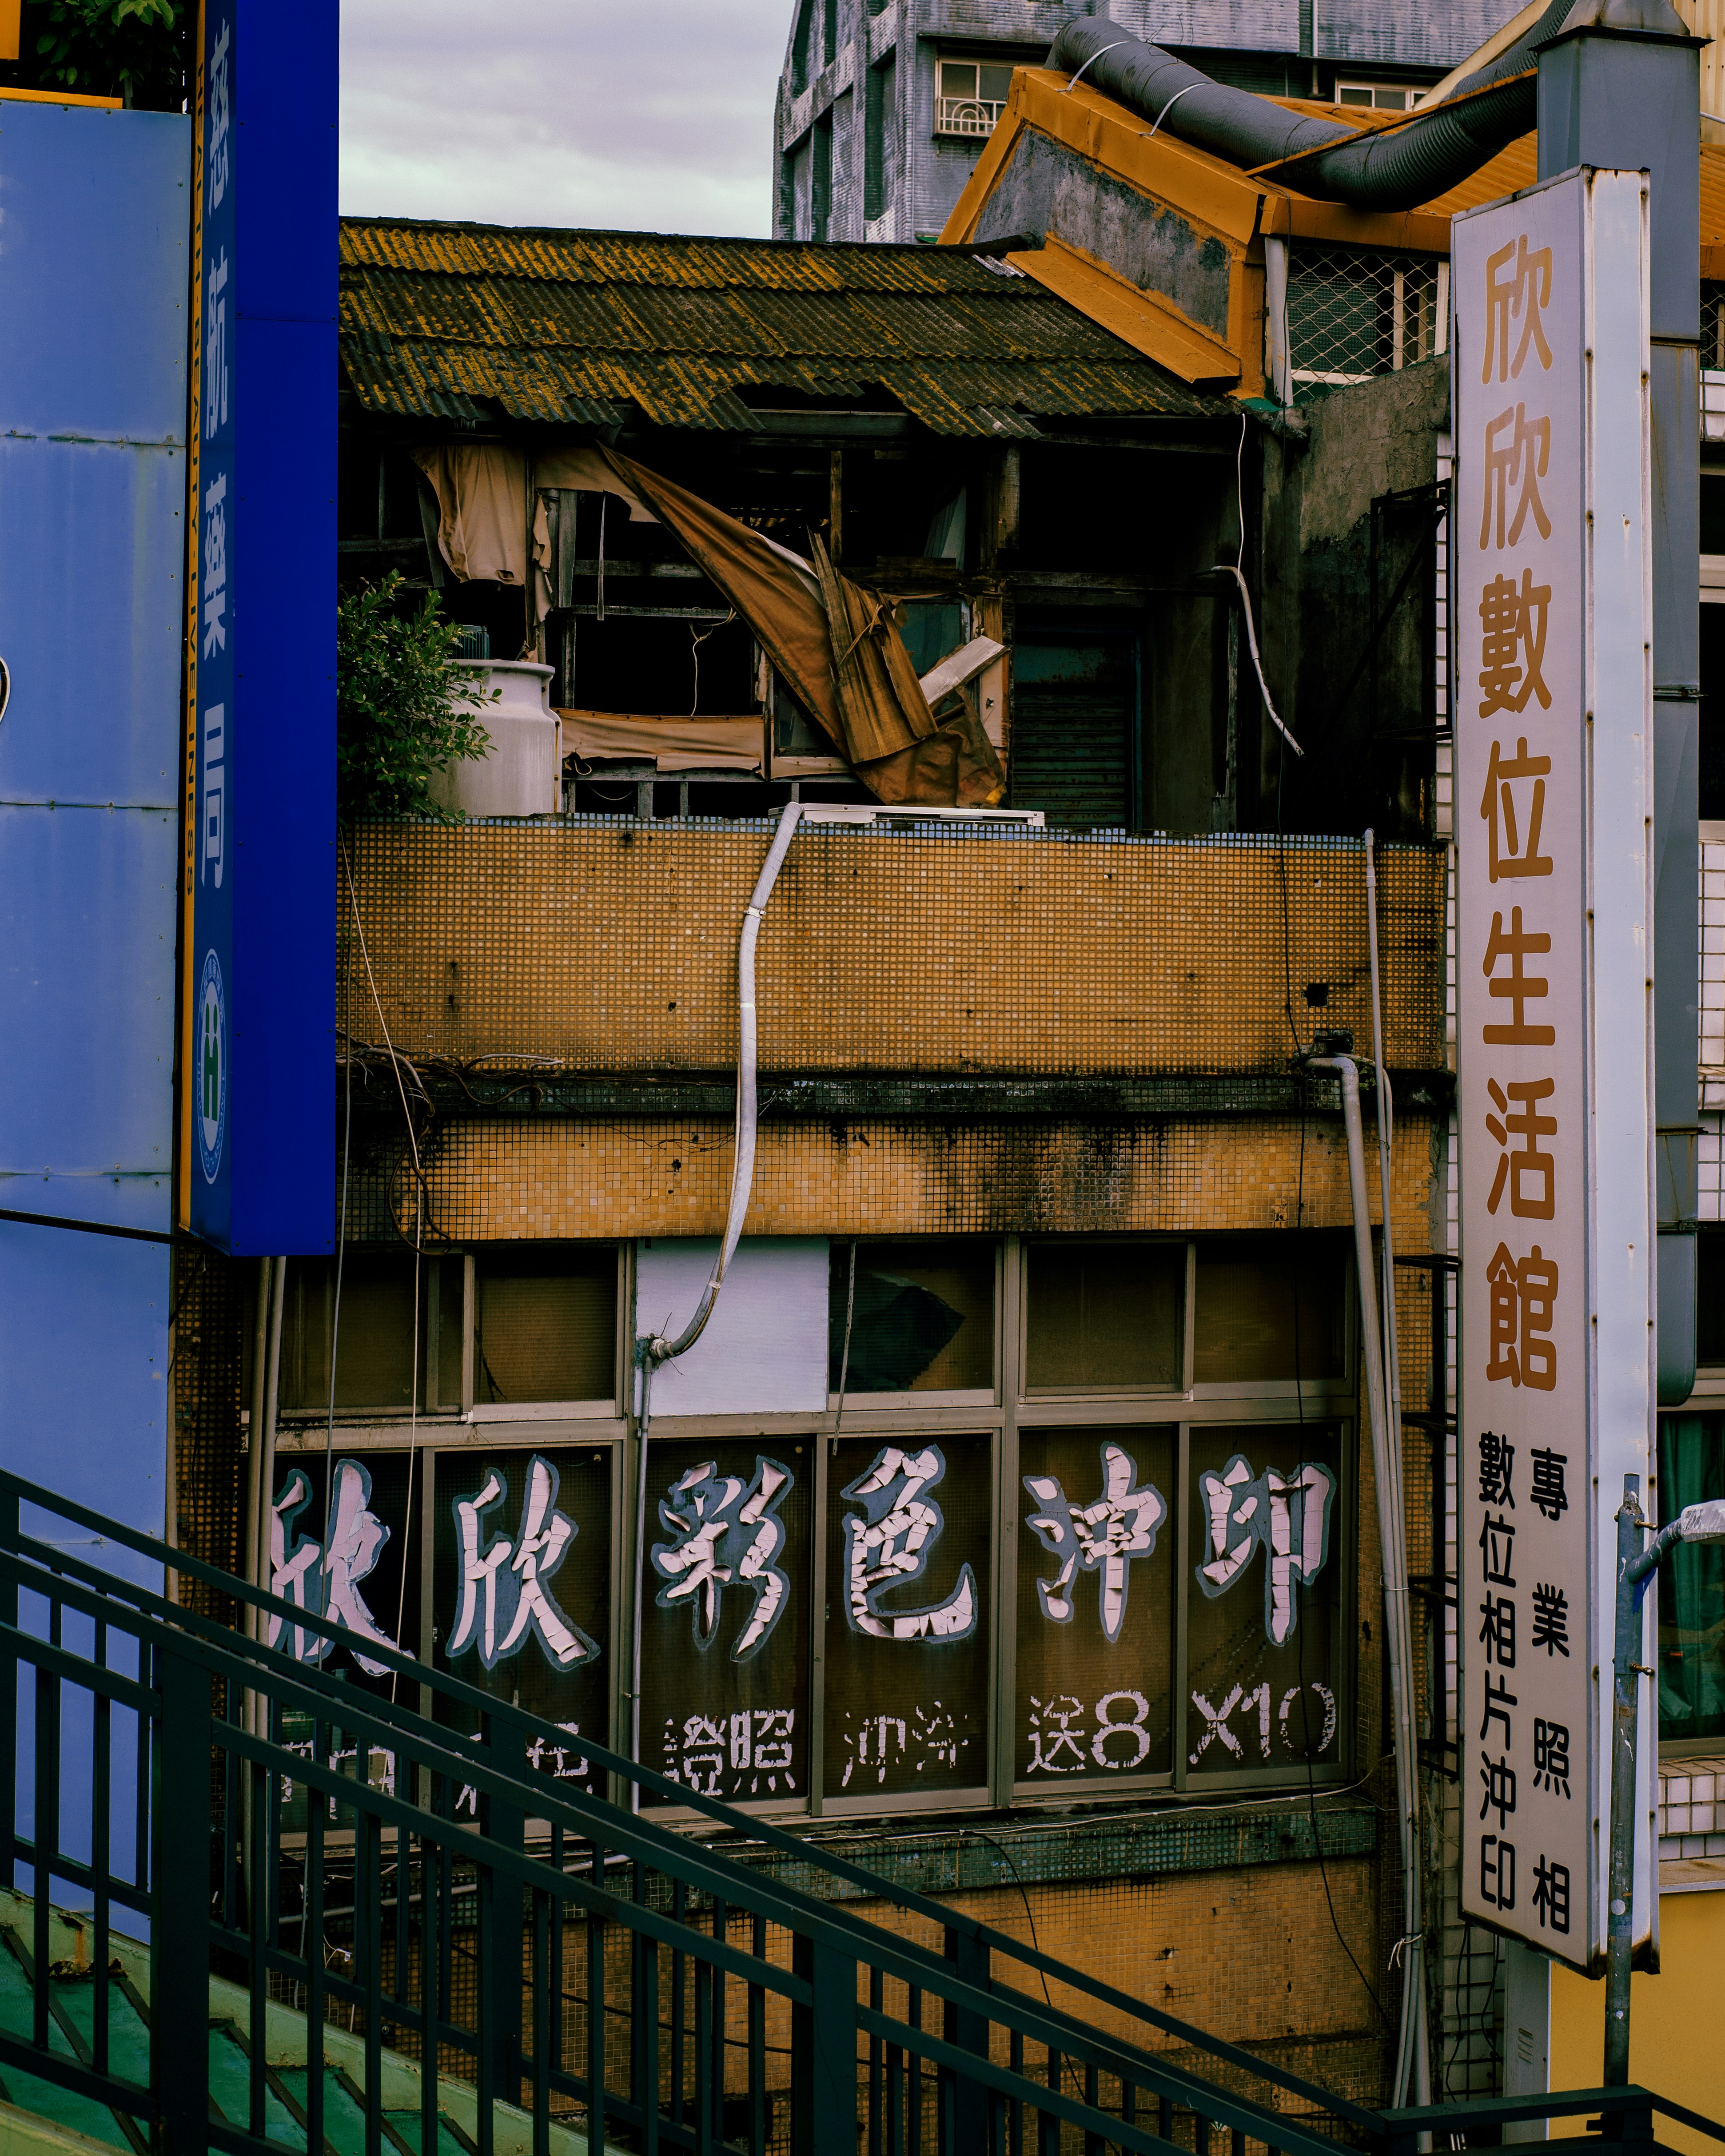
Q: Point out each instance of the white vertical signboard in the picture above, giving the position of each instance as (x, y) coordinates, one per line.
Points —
(1553, 792)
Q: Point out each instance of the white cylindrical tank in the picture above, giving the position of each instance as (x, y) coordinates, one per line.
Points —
(522, 772)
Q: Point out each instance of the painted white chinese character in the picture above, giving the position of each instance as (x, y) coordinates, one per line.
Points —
(1288, 1517)
(215, 793)
(890, 1544)
(215, 565)
(1103, 1537)
(327, 1582)
(215, 347)
(1054, 1731)
(217, 113)
(727, 1533)
(504, 1591)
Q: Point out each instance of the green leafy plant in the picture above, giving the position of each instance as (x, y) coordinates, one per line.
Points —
(132, 50)
(402, 712)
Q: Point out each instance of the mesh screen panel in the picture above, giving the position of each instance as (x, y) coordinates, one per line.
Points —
(921, 1318)
(1260, 1633)
(1267, 1312)
(1089, 1706)
(211, 1315)
(1353, 314)
(725, 1665)
(1104, 1314)
(907, 1697)
(547, 1324)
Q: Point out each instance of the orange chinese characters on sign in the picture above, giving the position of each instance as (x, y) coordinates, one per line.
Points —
(1513, 647)
(1526, 1173)
(1517, 300)
(1517, 988)
(1515, 462)
(1523, 1299)
(1513, 808)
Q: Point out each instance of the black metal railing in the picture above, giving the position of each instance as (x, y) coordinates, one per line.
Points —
(444, 1948)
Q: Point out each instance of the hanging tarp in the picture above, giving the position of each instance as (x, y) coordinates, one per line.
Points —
(834, 642)
(837, 648)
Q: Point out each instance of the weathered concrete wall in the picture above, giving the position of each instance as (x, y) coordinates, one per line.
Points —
(1376, 439)
(1047, 187)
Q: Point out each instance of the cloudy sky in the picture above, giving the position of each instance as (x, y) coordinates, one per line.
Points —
(575, 112)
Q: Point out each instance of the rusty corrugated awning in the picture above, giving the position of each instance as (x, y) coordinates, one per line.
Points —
(455, 321)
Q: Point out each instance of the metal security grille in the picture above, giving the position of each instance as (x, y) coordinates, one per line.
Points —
(1712, 326)
(1353, 314)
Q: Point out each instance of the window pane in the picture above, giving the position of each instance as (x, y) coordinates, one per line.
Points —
(1264, 1631)
(1692, 1582)
(1710, 1328)
(1105, 1315)
(547, 1324)
(540, 1636)
(993, 83)
(374, 1338)
(1095, 1615)
(957, 79)
(907, 1618)
(1391, 100)
(1349, 95)
(921, 1318)
(372, 1523)
(725, 1624)
(1269, 1307)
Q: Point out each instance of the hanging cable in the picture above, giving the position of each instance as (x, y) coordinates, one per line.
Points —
(1236, 569)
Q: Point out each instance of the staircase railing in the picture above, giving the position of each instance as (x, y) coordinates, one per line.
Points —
(604, 1974)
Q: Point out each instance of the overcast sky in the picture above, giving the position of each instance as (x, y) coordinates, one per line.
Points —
(573, 112)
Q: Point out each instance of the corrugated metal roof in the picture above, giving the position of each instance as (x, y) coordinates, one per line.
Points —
(550, 325)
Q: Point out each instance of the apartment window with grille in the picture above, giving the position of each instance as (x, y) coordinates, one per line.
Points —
(1353, 314)
(1376, 96)
(970, 96)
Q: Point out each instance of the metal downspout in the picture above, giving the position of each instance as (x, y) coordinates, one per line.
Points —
(1386, 1470)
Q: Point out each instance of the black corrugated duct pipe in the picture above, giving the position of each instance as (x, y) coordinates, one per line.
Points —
(1392, 169)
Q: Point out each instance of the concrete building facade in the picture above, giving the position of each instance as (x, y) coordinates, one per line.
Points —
(883, 110)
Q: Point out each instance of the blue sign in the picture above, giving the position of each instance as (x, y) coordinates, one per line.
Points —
(257, 1044)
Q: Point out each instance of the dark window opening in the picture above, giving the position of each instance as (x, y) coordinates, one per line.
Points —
(1104, 1317)
(1269, 1308)
(921, 1318)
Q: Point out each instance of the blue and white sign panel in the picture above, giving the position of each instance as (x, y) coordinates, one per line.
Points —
(1553, 868)
(258, 955)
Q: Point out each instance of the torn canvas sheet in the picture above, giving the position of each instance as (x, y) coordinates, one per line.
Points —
(711, 743)
(838, 649)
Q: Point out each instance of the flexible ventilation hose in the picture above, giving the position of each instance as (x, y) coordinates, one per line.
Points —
(654, 1349)
(1390, 168)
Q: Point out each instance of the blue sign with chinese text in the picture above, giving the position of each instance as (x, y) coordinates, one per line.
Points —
(257, 1070)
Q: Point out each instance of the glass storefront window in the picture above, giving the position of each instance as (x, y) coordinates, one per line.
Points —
(1263, 1666)
(1095, 1615)
(908, 1620)
(726, 1618)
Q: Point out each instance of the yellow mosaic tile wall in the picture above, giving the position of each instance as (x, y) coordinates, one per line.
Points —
(604, 945)
(580, 1178)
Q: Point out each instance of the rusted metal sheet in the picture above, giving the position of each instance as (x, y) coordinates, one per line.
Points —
(450, 321)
